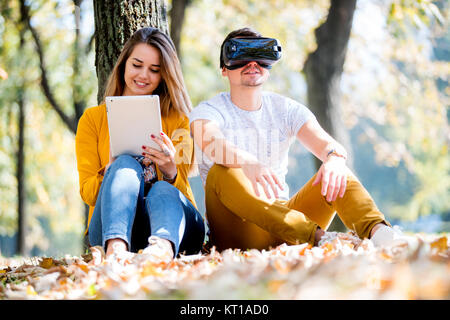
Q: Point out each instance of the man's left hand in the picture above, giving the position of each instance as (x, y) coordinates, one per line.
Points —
(333, 175)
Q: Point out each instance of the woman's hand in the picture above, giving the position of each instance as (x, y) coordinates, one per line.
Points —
(258, 173)
(165, 159)
(333, 175)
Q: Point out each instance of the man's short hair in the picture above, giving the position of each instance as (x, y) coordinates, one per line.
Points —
(243, 32)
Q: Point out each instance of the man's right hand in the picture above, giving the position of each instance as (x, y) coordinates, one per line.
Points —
(212, 142)
(258, 173)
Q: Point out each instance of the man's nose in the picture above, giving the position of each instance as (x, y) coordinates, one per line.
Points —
(252, 63)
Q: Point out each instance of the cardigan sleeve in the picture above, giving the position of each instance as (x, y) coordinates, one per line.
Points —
(90, 170)
(183, 144)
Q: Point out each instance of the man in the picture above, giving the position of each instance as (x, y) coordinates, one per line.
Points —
(242, 139)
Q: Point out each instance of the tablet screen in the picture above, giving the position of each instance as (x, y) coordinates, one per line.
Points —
(131, 121)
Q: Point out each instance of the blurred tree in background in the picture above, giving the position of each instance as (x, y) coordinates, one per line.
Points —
(394, 100)
(42, 49)
(405, 115)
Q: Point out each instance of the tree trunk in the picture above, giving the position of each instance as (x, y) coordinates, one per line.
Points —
(115, 22)
(177, 14)
(20, 162)
(323, 69)
(20, 175)
(79, 101)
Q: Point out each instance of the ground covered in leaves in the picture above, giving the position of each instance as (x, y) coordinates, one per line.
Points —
(342, 268)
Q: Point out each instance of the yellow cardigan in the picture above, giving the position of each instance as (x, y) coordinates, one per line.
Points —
(92, 150)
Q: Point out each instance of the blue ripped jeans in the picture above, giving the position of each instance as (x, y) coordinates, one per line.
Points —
(122, 211)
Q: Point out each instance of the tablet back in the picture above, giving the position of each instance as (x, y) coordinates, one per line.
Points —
(131, 121)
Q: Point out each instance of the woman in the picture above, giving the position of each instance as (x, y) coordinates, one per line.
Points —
(142, 201)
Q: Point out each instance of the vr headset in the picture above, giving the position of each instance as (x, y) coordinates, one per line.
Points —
(237, 52)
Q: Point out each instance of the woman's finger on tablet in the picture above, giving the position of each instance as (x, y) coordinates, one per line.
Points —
(150, 151)
(164, 142)
(159, 140)
(167, 140)
(158, 159)
(159, 154)
(152, 158)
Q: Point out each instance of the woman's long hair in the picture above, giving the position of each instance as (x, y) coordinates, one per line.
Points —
(171, 90)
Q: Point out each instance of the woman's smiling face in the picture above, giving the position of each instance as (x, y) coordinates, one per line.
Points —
(142, 70)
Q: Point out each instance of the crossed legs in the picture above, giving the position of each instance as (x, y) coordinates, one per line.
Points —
(239, 219)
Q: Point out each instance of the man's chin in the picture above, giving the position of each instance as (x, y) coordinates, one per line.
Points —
(255, 81)
(252, 83)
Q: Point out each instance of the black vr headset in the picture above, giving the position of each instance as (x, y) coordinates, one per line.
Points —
(237, 52)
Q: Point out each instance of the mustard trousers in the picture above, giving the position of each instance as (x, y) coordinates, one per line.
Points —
(237, 218)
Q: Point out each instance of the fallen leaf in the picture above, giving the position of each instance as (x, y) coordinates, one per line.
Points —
(46, 263)
(150, 269)
(275, 285)
(31, 291)
(440, 244)
(83, 267)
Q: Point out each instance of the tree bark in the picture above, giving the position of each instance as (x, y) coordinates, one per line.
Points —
(20, 164)
(177, 14)
(79, 101)
(20, 174)
(115, 22)
(323, 69)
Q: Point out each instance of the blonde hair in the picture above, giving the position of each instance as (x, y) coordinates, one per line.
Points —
(171, 90)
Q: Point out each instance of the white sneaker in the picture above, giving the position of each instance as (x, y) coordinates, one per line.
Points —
(389, 237)
(158, 250)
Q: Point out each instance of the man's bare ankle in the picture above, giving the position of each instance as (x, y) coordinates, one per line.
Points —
(319, 234)
(375, 228)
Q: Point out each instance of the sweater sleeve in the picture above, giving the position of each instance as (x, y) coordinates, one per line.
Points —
(183, 144)
(90, 171)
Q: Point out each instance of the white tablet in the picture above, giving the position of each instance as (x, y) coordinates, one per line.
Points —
(131, 121)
